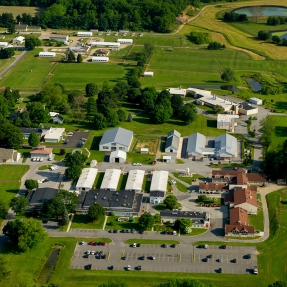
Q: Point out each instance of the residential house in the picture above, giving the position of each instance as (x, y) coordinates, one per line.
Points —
(39, 196)
(9, 155)
(54, 135)
(21, 28)
(41, 151)
(102, 52)
(116, 139)
(118, 156)
(86, 179)
(172, 141)
(56, 118)
(18, 40)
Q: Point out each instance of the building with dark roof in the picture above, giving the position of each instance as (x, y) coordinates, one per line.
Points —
(211, 187)
(172, 141)
(40, 195)
(39, 131)
(122, 202)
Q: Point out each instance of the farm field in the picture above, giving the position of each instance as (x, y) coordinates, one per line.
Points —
(18, 10)
(280, 131)
(147, 142)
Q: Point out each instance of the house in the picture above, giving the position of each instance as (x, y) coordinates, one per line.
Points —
(116, 139)
(122, 202)
(172, 141)
(21, 28)
(40, 195)
(211, 187)
(158, 186)
(225, 147)
(106, 44)
(199, 219)
(34, 28)
(148, 74)
(18, 40)
(39, 131)
(85, 34)
(118, 156)
(56, 118)
(86, 179)
(135, 180)
(177, 91)
(9, 155)
(61, 38)
(102, 53)
(244, 198)
(100, 59)
(255, 101)
(47, 54)
(111, 179)
(54, 135)
(41, 151)
(125, 41)
(226, 122)
(238, 225)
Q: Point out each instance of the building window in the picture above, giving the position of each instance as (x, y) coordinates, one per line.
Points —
(105, 147)
(121, 148)
(114, 144)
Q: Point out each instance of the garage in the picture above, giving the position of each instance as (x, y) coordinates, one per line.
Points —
(118, 156)
(166, 158)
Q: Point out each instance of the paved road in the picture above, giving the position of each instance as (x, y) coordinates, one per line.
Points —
(13, 64)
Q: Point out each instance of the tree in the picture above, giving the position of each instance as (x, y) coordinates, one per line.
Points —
(215, 46)
(276, 39)
(199, 38)
(73, 172)
(4, 270)
(10, 135)
(263, 35)
(4, 108)
(31, 42)
(146, 221)
(227, 75)
(33, 140)
(170, 201)
(70, 199)
(91, 89)
(7, 53)
(79, 58)
(96, 211)
(71, 57)
(160, 114)
(31, 184)
(122, 116)
(177, 105)
(19, 204)
(76, 159)
(91, 108)
(65, 218)
(100, 121)
(183, 225)
(218, 109)
(55, 207)
(201, 198)
(189, 113)
(37, 113)
(184, 283)
(157, 218)
(3, 209)
(267, 128)
(52, 95)
(278, 284)
(11, 28)
(112, 118)
(130, 117)
(62, 151)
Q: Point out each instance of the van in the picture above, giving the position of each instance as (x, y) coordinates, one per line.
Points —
(174, 233)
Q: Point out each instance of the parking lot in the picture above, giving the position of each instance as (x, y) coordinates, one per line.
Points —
(181, 258)
(75, 138)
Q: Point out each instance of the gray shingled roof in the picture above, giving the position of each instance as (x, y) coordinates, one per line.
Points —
(173, 133)
(195, 144)
(117, 135)
(226, 145)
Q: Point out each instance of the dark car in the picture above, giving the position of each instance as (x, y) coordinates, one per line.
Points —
(163, 232)
(234, 260)
(219, 270)
(66, 141)
(169, 232)
(98, 256)
(89, 266)
(223, 247)
(200, 246)
(139, 267)
(209, 256)
(111, 267)
(124, 258)
(133, 230)
(99, 243)
(45, 221)
(164, 245)
(46, 180)
(173, 245)
(103, 256)
(205, 259)
(110, 231)
(138, 245)
(123, 231)
(141, 232)
(248, 256)
(142, 257)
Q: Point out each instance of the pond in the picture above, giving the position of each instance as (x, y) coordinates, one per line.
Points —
(216, 87)
(256, 87)
(48, 267)
(264, 10)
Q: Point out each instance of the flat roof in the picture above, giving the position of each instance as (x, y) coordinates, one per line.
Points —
(177, 91)
(182, 213)
(40, 195)
(135, 180)
(226, 118)
(87, 178)
(100, 58)
(55, 133)
(105, 44)
(159, 180)
(111, 179)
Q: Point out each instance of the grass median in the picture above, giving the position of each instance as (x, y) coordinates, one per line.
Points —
(151, 241)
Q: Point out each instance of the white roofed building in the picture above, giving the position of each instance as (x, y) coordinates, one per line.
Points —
(106, 44)
(226, 122)
(158, 186)
(111, 179)
(135, 180)
(118, 156)
(85, 34)
(177, 91)
(148, 74)
(100, 59)
(86, 180)
(54, 135)
(47, 54)
(125, 41)
(3, 44)
(18, 40)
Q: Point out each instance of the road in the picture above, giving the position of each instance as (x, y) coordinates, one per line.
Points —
(13, 64)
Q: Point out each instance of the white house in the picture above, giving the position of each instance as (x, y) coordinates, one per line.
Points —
(54, 135)
(87, 179)
(106, 44)
(85, 34)
(100, 59)
(158, 186)
(3, 44)
(116, 139)
(111, 179)
(177, 91)
(56, 117)
(18, 40)
(9, 155)
(255, 101)
(135, 180)
(47, 54)
(172, 141)
(148, 74)
(118, 156)
(125, 41)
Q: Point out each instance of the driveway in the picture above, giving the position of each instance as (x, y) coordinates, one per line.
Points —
(74, 139)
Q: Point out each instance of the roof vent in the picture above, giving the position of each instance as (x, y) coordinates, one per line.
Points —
(104, 198)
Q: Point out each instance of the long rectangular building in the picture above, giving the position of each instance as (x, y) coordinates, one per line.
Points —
(159, 181)
(106, 44)
(135, 180)
(86, 180)
(111, 179)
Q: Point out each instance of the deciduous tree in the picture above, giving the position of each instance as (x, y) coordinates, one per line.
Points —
(218, 109)
(3, 209)
(189, 113)
(146, 221)
(91, 89)
(96, 211)
(31, 184)
(33, 140)
(183, 225)
(19, 204)
(100, 121)
(170, 201)
(73, 172)
(10, 135)
(227, 75)
(4, 269)
(79, 58)
(267, 128)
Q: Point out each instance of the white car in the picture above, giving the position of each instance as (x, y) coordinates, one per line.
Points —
(41, 180)
(92, 252)
(88, 252)
(82, 243)
(70, 133)
(129, 267)
(134, 245)
(137, 164)
(50, 159)
(41, 159)
(52, 167)
(37, 159)
(56, 167)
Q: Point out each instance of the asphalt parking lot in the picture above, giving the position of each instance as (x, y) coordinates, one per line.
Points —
(182, 258)
(75, 138)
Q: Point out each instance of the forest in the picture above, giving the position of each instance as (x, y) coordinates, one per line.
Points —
(135, 15)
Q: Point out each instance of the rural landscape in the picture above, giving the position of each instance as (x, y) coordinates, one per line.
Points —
(143, 143)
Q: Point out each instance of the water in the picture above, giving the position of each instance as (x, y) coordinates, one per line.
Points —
(256, 87)
(265, 11)
(216, 87)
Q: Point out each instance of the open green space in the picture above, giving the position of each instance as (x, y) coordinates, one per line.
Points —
(257, 220)
(181, 187)
(146, 142)
(30, 72)
(12, 172)
(45, 167)
(5, 63)
(8, 190)
(195, 232)
(82, 221)
(98, 180)
(18, 10)
(280, 131)
(146, 184)
(140, 158)
(122, 182)
(113, 223)
(151, 241)
(188, 179)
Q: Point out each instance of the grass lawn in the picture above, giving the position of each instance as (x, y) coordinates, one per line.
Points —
(280, 131)
(81, 221)
(195, 231)
(146, 184)
(122, 182)
(181, 187)
(58, 156)
(151, 241)
(257, 220)
(98, 180)
(147, 142)
(25, 153)
(179, 161)
(12, 172)
(8, 190)
(186, 179)
(5, 62)
(113, 223)
(45, 167)
(75, 76)
(226, 165)
(140, 158)
(30, 72)
(18, 10)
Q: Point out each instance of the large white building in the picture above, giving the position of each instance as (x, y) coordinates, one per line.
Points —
(18, 40)
(125, 41)
(85, 34)
(3, 44)
(135, 180)
(158, 186)
(60, 38)
(111, 179)
(54, 135)
(106, 44)
(87, 179)
(47, 54)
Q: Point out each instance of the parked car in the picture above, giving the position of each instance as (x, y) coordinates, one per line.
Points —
(152, 258)
(91, 243)
(137, 164)
(66, 141)
(139, 268)
(223, 246)
(50, 159)
(138, 245)
(83, 139)
(89, 266)
(88, 252)
(46, 180)
(41, 180)
(41, 159)
(164, 245)
(104, 243)
(219, 260)
(44, 220)
(134, 245)
(234, 260)
(124, 258)
(129, 268)
(92, 252)
(111, 267)
(81, 243)
(70, 133)
(219, 270)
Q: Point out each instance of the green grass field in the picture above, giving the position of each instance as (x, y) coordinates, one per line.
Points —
(18, 10)
(280, 131)
(81, 221)
(12, 172)
(113, 223)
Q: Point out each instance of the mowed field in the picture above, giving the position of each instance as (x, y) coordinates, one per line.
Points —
(280, 131)
(18, 10)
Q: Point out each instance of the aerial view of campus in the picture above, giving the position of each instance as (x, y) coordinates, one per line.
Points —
(143, 143)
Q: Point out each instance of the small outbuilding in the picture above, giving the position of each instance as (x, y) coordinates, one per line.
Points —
(255, 101)
(118, 156)
(18, 40)
(166, 158)
(100, 59)
(93, 163)
(144, 150)
(85, 34)
(148, 74)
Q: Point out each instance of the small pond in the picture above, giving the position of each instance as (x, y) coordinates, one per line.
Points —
(216, 87)
(265, 10)
(256, 87)
(48, 267)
